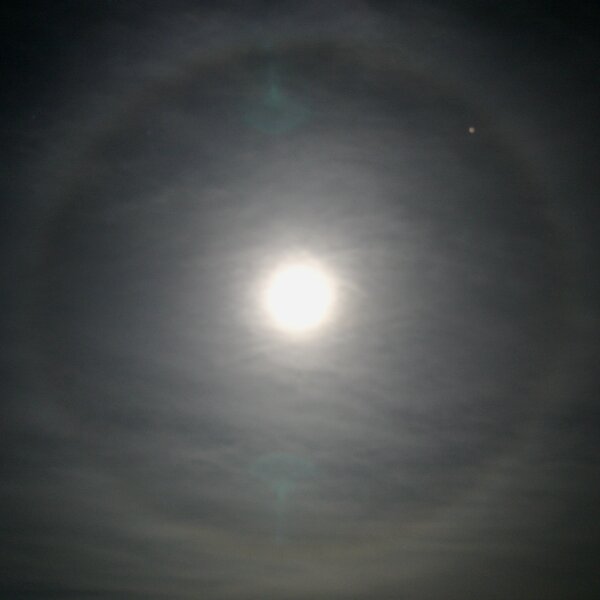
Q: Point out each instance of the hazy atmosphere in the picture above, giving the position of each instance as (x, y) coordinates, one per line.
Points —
(300, 300)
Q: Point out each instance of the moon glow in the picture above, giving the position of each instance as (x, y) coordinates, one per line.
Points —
(299, 298)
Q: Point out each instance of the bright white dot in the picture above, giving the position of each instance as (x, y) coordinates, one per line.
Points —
(298, 297)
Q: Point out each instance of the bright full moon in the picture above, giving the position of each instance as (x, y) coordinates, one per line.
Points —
(299, 297)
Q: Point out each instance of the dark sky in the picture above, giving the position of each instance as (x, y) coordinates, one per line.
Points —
(438, 438)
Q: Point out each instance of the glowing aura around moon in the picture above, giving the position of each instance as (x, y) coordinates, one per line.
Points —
(298, 297)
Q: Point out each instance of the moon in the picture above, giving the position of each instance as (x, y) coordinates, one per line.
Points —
(299, 297)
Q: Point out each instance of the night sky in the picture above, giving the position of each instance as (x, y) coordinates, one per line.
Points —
(436, 437)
